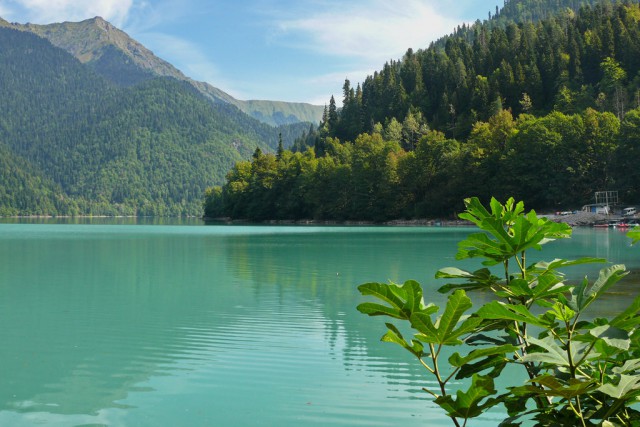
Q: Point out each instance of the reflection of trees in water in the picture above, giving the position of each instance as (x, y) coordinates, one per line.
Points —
(94, 317)
(305, 264)
(324, 269)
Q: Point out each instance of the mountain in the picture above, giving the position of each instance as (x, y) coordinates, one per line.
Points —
(123, 60)
(75, 142)
(535, 67)
(546, 111)
(521, 12)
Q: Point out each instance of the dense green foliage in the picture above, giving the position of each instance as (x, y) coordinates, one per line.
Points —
(521, 11)
(78, 144)
(554, 161)
(546, 112)
(557, 63)
(574, 370)
(537, 10)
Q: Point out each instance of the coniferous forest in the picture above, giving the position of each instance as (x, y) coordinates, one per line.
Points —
(539, 106)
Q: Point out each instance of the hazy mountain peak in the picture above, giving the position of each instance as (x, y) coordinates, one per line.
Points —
(114, 54)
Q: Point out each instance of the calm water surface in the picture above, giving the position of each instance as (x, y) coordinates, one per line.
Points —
(114, 324)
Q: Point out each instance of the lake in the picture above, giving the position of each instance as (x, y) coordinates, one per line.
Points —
(109, 323)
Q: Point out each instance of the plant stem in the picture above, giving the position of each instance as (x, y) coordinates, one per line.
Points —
(436, 372)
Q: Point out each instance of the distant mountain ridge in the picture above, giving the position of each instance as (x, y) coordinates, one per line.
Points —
(115, 55)
(74, 143)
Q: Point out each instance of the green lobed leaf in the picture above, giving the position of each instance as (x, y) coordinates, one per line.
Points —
(553, 355)
(607, 278)
(495, 365)
(403, 300)
(454, 273)
(373, 309)
(520, 288)
(424, 325)
(470, 404)
(578, 296)
(413, 295)
(480, 245)
(479, 279)
(559, 388)
(456, 306)
(629, 366)
(548, 286)
(501, 311)
(444, 331)
(562, 263)
(628, 386)
(392, 294)
(628, 318)
(613, 336)
(581, 298)
(475, 211)
(457, 361)
(393, 335)
(562, 312)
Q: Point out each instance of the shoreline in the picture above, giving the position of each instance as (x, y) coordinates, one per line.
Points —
(578, 219)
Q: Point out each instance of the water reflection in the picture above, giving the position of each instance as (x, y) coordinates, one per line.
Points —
(178, 325)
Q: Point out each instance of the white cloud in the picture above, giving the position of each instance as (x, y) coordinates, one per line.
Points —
(48, 11)
(375, 30)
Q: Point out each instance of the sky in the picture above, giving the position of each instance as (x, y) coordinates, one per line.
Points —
(280, 50)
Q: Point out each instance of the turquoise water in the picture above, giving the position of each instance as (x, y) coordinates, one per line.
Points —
(120, 324)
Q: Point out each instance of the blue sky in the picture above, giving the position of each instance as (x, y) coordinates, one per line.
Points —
(286, 50)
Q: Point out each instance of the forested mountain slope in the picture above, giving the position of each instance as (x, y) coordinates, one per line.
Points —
(124, 61)
(80, 144)
(546, 112)
(555, 63)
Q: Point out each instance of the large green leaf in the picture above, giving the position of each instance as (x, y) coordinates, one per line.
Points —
(393, 335)
(581, 297)
(493, 364)
(554, 354)
(628, 318)
(470, 404)
(444, 331)
(628, 386)
(553, 386)
(518, 288)
(475, 211)
(562, 312)
(389, 293)
(632, 365)
(457, 361)
(480, 245)
(498, 310)
(547, 286)
(428, 332)
(510, 232)
(373, 309)
(608, 277)
(456, 306)
(402, 300)
(612, 336)
(479, 279)
(562, 263)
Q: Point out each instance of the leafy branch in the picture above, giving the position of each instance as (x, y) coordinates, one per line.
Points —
(575, 371)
